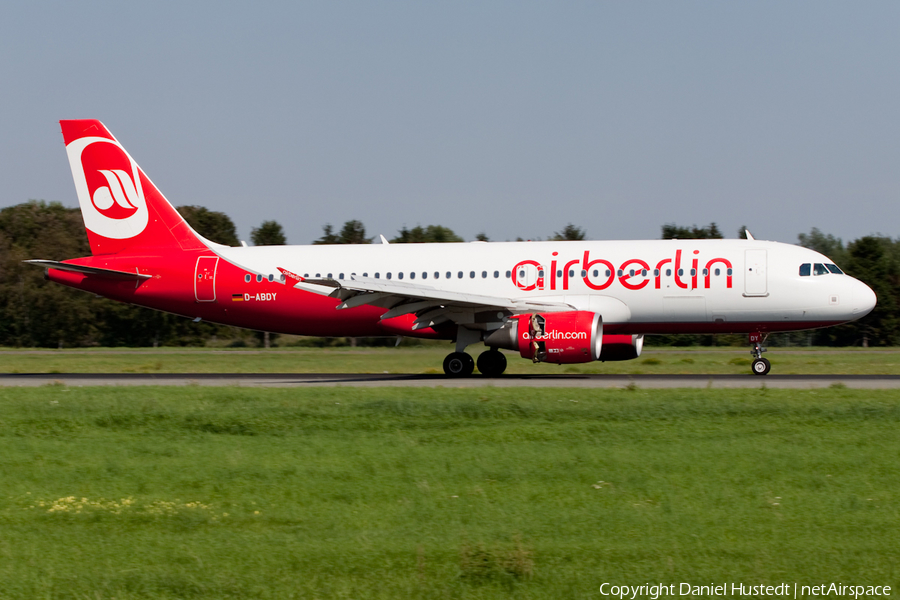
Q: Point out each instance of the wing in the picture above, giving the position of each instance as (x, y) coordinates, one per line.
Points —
(431, 306)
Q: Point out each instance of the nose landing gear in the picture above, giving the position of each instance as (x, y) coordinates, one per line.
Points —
(760, 365)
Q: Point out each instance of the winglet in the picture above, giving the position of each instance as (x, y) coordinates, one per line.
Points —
(291, 275)
(383, 240)
(748, 234)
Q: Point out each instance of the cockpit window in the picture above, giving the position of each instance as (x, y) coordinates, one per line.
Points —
(834, 269)
(805, 270)
(819, 269)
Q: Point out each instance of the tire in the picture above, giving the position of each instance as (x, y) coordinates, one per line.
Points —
(761, 366)
(491, 363)
(458, 364)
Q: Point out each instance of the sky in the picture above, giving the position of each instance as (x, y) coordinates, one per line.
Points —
(507, 118)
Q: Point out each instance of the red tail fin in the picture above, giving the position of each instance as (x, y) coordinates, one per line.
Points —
(122, 209)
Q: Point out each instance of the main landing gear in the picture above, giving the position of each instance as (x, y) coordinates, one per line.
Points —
(760, 365)
(491, 363)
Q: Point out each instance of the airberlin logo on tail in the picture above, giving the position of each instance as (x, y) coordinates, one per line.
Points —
(109, 188)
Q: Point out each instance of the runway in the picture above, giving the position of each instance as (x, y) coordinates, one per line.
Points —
(400, 380)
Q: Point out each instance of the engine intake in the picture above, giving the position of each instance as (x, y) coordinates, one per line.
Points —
(621, 347)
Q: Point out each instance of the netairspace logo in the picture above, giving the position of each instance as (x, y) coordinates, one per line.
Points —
(783, 590)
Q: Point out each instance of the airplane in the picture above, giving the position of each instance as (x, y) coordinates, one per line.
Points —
(559, 302)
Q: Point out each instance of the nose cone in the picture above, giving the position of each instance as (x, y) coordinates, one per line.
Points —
(863, 299)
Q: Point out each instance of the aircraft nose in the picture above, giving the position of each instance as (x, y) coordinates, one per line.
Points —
(863, 299)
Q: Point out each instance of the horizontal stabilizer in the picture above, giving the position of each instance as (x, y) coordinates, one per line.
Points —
(95, 271)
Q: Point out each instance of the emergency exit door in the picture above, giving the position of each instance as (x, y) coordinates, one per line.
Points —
(205, 279)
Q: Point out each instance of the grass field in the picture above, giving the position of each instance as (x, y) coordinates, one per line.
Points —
(428, 359)
(440, 493)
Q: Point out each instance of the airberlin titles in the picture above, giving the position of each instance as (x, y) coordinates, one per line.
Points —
(688, 272)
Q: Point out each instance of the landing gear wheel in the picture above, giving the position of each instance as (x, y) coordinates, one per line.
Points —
(761, 366)
(459, 364)
(491, 363)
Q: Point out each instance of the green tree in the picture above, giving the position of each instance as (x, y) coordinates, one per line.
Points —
(214, 226)
(430, 234)
(828, 245)
(672, 231)
(269, 233)
(870, 260)
(482, 237)
(569, 233)
(34, 312)
(353, 232)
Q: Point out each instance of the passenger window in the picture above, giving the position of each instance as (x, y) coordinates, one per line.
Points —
(281, 278)
(631, 273)
(693, 272)
(247, 278)
(329, 277)
(620, 272)
(819, 269)
(412, 275)
(271, 277)
(559, 272)
(259, 278)
(424, 275)
(705, 272)
(399, 275)
(484, 274)
(377, 275)
(365, 274)
(729, 271)
(718, 272)
(540, 273)
(448, 274)
(596, 273)
(805, 269)
(668, 272)
(496, 274)
(341, 276)
(583, 273)
(643, 272)
(834, 269)
(571, 273)
(522, 274)
(471, 274)
(680, 272)
(459, 275)
(388, 275)
(305, 275)
(508, 274)
(656, 272)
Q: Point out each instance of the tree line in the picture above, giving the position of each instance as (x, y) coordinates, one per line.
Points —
(37, 313)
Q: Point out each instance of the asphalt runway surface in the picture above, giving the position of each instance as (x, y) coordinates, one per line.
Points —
(400, 380)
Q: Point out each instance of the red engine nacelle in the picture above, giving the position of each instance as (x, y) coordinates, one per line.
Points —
(563, 337)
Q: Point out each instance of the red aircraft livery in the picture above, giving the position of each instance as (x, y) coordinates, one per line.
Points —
(559, 302)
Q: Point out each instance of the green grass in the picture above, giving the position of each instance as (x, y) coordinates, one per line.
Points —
(428, 359)
(440, 493)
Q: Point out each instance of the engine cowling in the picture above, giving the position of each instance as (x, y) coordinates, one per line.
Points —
(621, 347)
(563, 337)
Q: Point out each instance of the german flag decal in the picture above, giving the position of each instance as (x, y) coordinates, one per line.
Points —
(237, 297)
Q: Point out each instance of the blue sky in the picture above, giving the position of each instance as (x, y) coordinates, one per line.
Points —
(511, 118)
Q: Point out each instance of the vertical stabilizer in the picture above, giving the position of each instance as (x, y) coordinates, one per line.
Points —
(122, 209)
